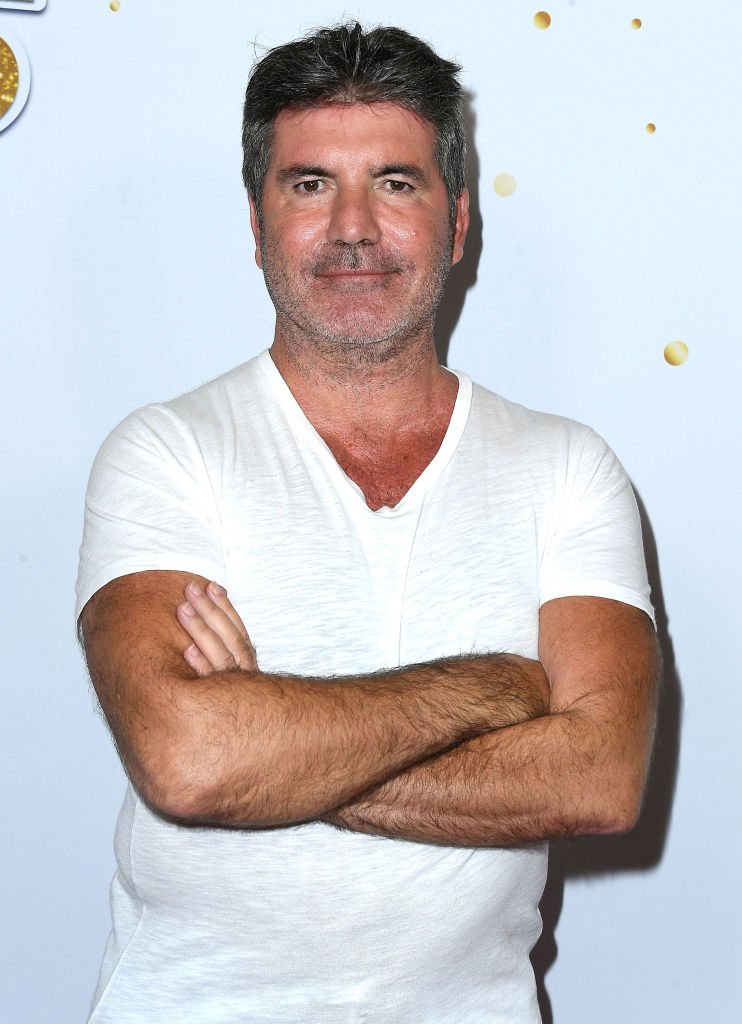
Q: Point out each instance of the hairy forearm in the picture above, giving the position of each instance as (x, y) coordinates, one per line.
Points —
(546, 778)
(579, 770)
(263, 750)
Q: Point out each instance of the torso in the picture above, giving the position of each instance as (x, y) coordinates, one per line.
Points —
(329, 589)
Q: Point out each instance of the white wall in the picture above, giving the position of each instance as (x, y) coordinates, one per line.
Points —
(126, 275)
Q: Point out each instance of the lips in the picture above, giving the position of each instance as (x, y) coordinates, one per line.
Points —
(350, 265)
(350, 275)
(356, 282)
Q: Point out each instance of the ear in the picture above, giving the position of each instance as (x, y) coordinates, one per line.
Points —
(256, 232)
(461, 225)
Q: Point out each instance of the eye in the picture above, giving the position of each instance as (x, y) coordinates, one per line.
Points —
(393, 185)
(311, 187)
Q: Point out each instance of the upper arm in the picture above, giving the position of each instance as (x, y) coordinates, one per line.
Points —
(134, 650)
(602, 660)
(151, 524)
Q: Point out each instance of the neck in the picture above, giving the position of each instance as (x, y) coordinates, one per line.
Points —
(385, 388)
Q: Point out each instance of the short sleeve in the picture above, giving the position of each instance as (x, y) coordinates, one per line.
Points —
(595, 548)
(149, 505)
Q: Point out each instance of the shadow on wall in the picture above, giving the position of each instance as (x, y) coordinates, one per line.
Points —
(464, 274)
(642, 848)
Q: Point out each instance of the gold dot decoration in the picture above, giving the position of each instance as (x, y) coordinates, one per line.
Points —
(504, 184)
(9, 77)
(651, 128)
(676, 352)
(115, 5)
(636, 22)
(542, 19)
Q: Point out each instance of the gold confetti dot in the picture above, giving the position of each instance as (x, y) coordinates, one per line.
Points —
(542, 19)
(504, 184)
(651, 128)
(636, 22)
(676, 352)
(8, 77)
(115, 5)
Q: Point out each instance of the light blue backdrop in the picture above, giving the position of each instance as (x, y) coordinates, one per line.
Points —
(126, 275)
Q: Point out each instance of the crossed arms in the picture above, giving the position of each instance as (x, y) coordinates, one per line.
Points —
(481, 751)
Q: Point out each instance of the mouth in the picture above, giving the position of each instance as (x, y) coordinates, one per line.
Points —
(362, 275)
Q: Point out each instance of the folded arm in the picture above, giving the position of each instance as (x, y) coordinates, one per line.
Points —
(240, 747)
(578, 770)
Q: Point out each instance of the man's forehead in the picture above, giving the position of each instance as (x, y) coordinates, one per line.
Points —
(340, 125)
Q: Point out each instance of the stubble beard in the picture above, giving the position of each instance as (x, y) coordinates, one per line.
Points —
(363, 337)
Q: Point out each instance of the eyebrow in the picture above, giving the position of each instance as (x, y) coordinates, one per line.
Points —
(295, 171)
(412, 171)
(288, 174)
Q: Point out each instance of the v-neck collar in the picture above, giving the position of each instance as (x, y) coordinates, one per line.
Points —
(305, 431)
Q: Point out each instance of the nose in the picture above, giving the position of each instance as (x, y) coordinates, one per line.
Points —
(353, 219)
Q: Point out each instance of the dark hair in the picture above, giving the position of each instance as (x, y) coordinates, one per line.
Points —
(344, 64)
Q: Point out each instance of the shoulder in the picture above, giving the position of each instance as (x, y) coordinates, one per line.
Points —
(522, 432)
(240, 388)
(189, 421)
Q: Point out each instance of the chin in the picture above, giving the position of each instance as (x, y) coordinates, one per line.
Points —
(360, 328)
(369, 348)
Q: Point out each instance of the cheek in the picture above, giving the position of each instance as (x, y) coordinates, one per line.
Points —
(416, 235)
(295, 242)
(403, 234)
(408, 236)
(307, 235)
(279, 256)
(305, 224)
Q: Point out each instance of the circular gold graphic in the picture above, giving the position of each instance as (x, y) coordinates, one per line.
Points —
(636, 22)
(651, 128)
(504, 184)
(676, 353)
(9, 76)
(115, 5)
(15, 79)
(542, 19)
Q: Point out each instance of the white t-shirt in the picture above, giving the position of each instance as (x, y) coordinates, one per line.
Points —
(311, 925)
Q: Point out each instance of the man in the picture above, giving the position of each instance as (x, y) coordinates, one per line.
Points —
(340, 789)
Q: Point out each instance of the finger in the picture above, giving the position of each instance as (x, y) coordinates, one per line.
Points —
(198, 661)
(220, 598)
(233, 637)
(214, 615)
(209, 643)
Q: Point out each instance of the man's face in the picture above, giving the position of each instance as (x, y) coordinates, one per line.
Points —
(356, 241)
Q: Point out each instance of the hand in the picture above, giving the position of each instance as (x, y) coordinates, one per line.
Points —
(220, 640)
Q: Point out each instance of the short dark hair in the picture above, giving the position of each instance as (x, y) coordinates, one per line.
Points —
(344, 64)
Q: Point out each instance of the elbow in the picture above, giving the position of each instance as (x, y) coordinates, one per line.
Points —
(595, 819)
(618, 821)
(608, 802)
(617, 809)
(624, 789)
(189, 784)
(177, 795)
(162, 786)
(175, 782)
(611, 791)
